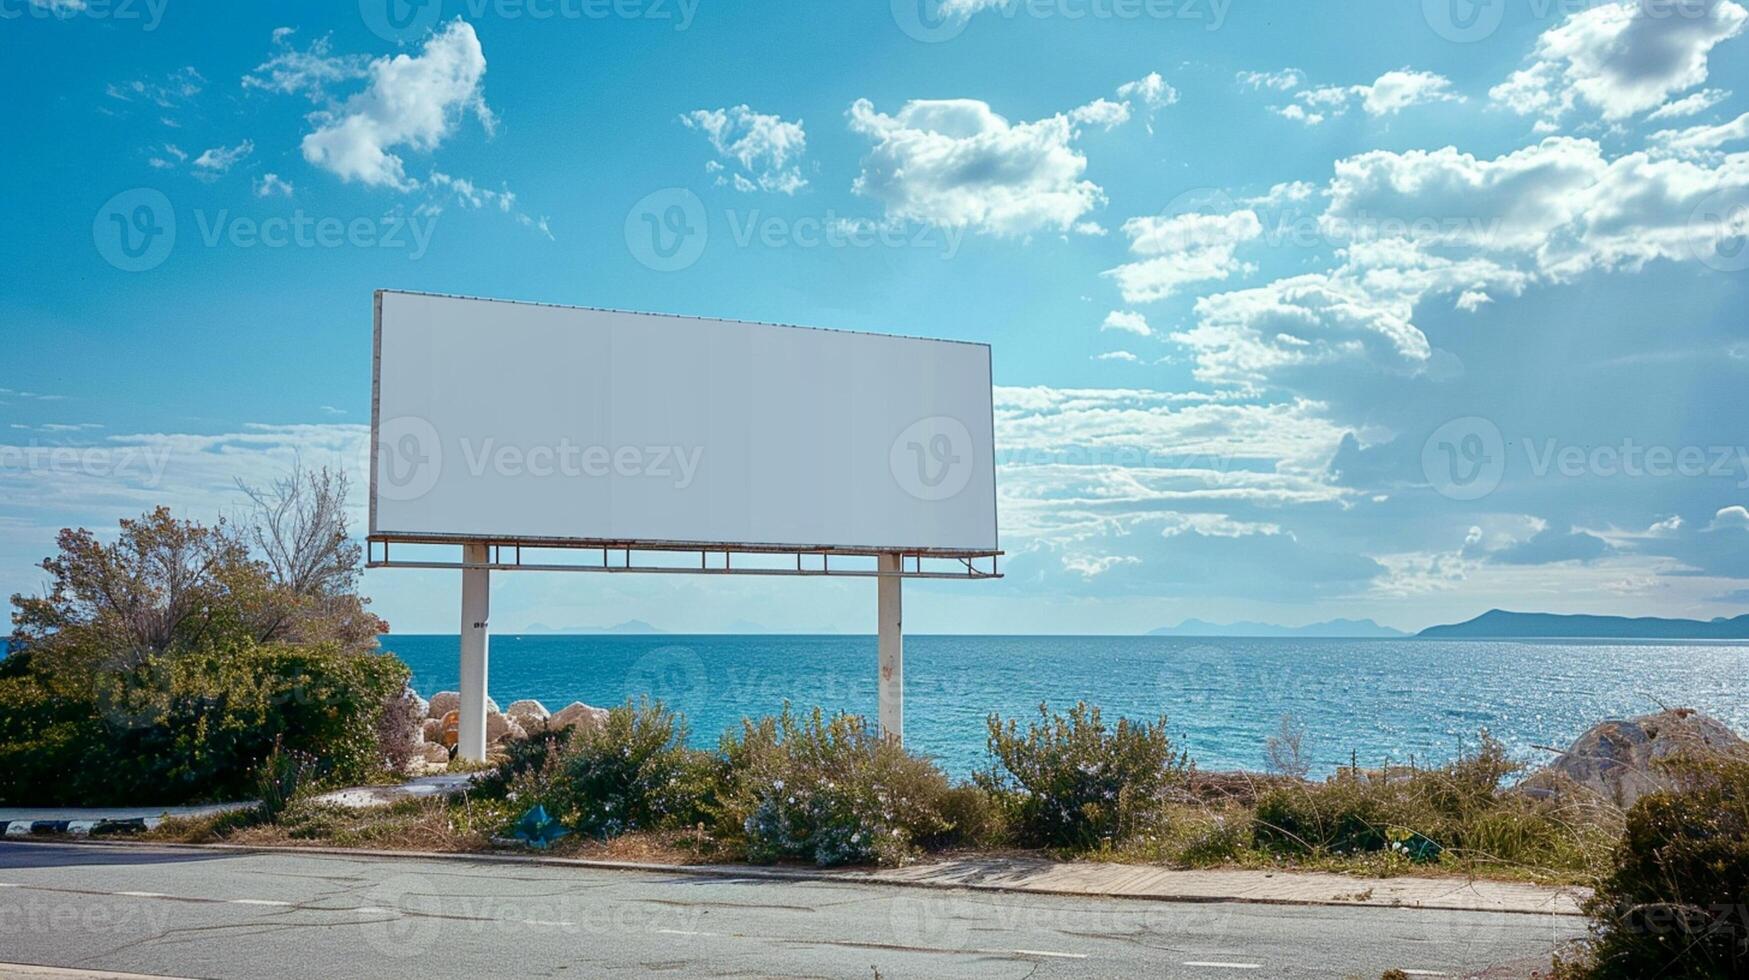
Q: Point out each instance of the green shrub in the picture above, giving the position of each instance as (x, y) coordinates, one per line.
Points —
(831, 792)
(1070, 781)
(1461, 812)
(1675, 902)
(1221, 838)
(530, 765)
(192, 726)
(284, 777)
(633, 772)
(1348, 813)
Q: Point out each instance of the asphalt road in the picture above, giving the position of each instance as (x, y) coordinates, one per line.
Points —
(203, 914)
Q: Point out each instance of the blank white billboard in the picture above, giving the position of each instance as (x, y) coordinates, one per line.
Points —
(512, 421)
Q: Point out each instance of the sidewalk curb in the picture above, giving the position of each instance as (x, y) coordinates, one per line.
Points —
(723, 871)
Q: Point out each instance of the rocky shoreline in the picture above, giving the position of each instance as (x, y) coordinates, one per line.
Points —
(435, 736)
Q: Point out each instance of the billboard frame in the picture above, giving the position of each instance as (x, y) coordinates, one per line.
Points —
(376, 535)
(484, 553)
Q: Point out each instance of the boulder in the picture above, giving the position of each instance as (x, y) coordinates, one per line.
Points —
(1619, 760)
(579, 714)
(529, 714)
(450, 735)
(443, 702)
(500, 728)
(436, 754)
(432, 730)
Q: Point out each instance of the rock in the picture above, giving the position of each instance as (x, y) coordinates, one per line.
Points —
(499, 728)
(1618, 760)
(435, 753)
(449, 735)
(444, 702)
(529, 714)
(432, 730)
(579, 714)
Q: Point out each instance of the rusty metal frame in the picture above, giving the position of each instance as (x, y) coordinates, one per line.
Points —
(505, 554)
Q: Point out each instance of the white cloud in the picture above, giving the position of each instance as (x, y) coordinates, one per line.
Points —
(175, 91)
(220, 159)
(412, 101)
(1387, 95)
(1471, 300)
(1425, 223)
(1697, 141)
(1130, 322)
(470, 195)
(271, 185)
(1395, 91)
(1182, 249)
(957, 164)
(767, 148)
(1689, 105)
(1247, 337)
(1284, 80)
(1117, 355)
(169, 158)
(1152, 90)
(1734, 516)
(1101, 112)
(309, 72)
(1298, 113)
(1513, 201)
(1620, 58)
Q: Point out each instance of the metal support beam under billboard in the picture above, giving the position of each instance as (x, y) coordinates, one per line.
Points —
(476, 611)
(890, 607)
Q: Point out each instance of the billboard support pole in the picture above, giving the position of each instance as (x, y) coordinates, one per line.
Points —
(476, 607)
(892, 647)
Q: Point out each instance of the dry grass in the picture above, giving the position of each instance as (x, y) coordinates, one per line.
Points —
(462, 825)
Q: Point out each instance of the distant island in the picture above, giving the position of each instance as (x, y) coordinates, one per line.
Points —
(1498, 623)
(1335, 628)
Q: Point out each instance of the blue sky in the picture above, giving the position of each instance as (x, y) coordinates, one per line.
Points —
(1390, 309)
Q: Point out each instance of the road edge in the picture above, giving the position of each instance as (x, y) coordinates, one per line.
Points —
(723, 871)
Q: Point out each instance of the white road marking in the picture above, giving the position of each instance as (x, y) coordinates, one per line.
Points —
(683, 932)
(1224, 966)
(542, 922)
(10, 884)
(1425, 973)
(258, 901)
(373, 910)
(140, 894)
(1046, 952)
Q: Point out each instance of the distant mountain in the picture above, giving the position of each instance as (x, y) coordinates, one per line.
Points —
(1499, 623)
(1345, 628)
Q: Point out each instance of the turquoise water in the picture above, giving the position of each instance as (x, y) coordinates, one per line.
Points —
(1377, 699)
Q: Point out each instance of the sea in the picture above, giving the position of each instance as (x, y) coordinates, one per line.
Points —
(1371, 701)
